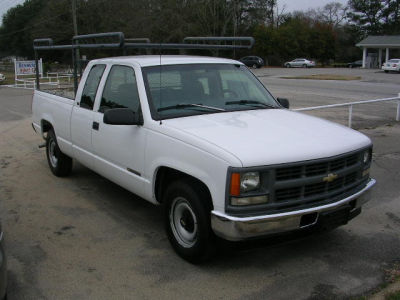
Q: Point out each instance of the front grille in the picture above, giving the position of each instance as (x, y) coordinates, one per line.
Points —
(288, 173)
(289, 193)
(314, 169)
(306, 184)
(313, 182)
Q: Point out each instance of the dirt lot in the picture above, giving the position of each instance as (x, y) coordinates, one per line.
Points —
(83, 237)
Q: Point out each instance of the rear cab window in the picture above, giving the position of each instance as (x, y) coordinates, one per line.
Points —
(91, 85)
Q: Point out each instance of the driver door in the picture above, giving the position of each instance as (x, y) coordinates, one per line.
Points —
(119, 149)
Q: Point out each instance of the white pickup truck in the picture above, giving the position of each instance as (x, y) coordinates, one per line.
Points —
(203, 137)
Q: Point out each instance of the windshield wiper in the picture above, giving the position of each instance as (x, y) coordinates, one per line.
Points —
(251, 102)
(185, 105)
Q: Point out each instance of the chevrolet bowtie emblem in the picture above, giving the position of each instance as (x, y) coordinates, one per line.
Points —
(330, 177)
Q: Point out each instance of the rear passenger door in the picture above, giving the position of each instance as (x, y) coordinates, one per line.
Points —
(119, 149)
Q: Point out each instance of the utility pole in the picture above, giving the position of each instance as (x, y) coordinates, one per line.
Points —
(74, 17)
(75, 24)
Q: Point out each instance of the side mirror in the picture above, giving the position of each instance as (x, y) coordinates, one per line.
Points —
(121, 116)
(284, 102)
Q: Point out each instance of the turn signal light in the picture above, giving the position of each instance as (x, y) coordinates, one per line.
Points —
(235, 184)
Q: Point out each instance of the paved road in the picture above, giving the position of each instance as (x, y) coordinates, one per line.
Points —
(374, 84)
(83, 237)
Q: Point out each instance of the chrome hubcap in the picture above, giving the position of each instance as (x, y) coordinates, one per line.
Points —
(183, 222)
(52, 153)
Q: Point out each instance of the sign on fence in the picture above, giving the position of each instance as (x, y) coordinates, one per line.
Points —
(27, 67)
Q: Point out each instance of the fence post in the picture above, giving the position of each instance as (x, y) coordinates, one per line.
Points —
(350, 114)
(398, 109)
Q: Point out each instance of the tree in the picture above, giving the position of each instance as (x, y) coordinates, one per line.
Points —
(15, 35)
(333, 13)
(368, 15)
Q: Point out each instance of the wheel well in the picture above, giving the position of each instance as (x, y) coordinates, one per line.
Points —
(46, 126)
(166, 175)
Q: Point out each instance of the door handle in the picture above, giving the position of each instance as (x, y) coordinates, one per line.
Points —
(95, 126)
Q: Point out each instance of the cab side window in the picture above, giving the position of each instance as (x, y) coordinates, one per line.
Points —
(91, 85)
(120, 90)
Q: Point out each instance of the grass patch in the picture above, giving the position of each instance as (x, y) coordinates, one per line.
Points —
(9, 77)
(324, 77)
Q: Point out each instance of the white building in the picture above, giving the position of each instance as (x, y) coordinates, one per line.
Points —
(382, 43)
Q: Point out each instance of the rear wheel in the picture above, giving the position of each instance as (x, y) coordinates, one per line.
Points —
(386, 71)
(187, 220)
(288, 66)
(59, 163)
(304, 66)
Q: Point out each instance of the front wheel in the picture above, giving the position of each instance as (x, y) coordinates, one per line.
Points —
(288, 66)
(187, 221)
(59, 163)
(254, 66)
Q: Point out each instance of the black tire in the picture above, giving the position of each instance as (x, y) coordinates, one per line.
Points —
(254, 66)
(288, 66)
(304, 66)
(187, 220)
(386, 71)
(59, 163)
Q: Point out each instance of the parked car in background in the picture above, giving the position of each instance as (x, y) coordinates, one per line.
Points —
(300, 63)
(252, 61)
(2, 77)
(355, 64)
(392, 65)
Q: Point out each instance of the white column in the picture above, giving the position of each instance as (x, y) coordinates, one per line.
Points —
(364, 57)
(380, 58)
(15, 71)
(387, 55)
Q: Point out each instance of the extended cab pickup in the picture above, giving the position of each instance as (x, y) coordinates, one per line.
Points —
(206, 139)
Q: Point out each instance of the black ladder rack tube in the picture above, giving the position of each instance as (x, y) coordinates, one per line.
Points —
(139, 43)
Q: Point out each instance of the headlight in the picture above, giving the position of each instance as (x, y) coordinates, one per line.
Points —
(242, 183)
(249, 182)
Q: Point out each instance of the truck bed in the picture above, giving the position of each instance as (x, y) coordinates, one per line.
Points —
(55, 110)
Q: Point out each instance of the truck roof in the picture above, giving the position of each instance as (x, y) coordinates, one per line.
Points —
(156, 60)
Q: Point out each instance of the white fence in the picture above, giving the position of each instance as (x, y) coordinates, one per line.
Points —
(52, 79)
(351, 104)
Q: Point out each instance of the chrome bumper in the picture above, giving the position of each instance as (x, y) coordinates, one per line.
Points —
(237, 228)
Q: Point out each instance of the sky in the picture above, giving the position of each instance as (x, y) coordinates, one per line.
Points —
(6, 5)
(291, 5)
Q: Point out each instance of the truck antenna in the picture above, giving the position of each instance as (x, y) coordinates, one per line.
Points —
(160, 81)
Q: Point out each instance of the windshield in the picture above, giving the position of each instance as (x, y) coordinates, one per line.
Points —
(185, 90)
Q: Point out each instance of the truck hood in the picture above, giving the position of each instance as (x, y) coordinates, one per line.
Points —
(271, 136)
